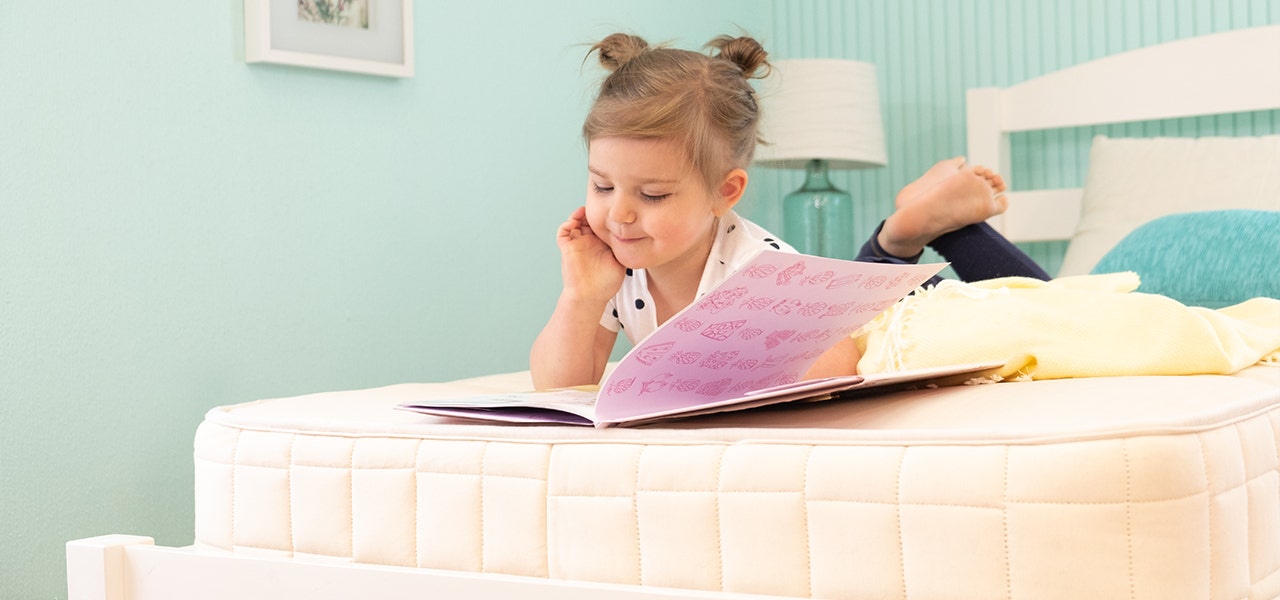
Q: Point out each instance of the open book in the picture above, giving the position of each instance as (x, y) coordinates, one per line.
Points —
(742, 345)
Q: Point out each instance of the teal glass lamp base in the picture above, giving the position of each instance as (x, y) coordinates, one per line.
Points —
(818, 218)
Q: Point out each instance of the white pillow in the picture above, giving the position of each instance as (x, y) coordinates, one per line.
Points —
(1134, 180)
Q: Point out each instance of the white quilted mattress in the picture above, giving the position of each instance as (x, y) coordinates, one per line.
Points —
(1133, 487)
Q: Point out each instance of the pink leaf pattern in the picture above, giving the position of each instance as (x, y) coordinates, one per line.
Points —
(865, 307)
(685, 386)
(686, 357)
(758, 303)
(718, 359)
(813, 308)
(784, 307)
(713, 388)
(836, 310)
(818, 279)
(789, 273)
(621, 385)
(806, 336)
(761, 271)
(778, 337)
(655, 384)
(722, 331)
(773, 360)
(687, 324)
(840, 282)
(654, 353)
(722, 299)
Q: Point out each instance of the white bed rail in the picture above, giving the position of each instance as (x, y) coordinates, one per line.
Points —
(1221, 73)
(129, 567)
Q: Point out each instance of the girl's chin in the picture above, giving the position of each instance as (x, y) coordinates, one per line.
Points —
(631, 261)
(633, 264)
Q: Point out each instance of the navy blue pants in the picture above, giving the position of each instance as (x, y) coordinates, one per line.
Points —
(976, 252)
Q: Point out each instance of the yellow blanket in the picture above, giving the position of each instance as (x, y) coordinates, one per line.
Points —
(1092, 325)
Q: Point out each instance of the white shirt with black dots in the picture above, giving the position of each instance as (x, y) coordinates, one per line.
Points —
(737, 241)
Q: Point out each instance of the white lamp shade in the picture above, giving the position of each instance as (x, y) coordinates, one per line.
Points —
(821, 108)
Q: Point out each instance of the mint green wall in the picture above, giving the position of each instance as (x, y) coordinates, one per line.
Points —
(179, 230)
(928, 52)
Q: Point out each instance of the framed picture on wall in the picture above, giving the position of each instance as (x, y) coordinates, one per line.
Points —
(362, 36)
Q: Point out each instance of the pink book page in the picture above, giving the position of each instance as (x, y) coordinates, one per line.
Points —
(763, 327)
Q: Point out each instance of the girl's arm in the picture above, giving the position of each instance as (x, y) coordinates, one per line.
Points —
(573, 348)
(841, 359)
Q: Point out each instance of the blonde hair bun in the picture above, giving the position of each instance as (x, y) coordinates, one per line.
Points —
(618, 49)
(743, 51)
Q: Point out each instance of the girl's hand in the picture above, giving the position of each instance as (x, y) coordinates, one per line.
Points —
(573, 348)
(587, 264)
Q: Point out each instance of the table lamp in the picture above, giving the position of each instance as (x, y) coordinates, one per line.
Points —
(817, 115)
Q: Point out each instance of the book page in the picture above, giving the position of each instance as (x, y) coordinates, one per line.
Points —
(568, 405)
(763, 327)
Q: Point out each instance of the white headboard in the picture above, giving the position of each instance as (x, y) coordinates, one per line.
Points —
(1233, 71)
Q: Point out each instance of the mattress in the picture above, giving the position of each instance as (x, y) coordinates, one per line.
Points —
(1136, 487)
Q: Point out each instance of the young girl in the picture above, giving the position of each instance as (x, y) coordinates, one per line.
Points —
(669, 139)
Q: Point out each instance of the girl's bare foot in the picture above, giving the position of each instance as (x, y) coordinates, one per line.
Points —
(993, 178)
(964, 197)
(939, 171)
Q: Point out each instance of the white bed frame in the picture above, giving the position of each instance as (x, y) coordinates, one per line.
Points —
(1157, 82)
(130, 567)
(1229, 72)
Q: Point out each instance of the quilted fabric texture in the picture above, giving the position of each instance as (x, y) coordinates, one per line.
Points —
(1022, 490)
(1212, 258)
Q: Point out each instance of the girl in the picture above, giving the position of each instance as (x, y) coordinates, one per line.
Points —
(669, 138)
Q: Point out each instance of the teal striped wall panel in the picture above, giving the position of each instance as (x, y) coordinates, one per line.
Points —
(928, 52)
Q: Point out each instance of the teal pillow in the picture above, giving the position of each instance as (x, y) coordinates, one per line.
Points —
(1212, 259)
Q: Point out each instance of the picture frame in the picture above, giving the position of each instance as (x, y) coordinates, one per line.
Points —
(360, 36)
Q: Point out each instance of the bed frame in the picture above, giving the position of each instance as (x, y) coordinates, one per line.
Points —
(1157, 82)
(129, 567)
(1221, 73)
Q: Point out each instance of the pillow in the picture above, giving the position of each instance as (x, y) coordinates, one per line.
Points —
(1132, 181)
(1211, 259)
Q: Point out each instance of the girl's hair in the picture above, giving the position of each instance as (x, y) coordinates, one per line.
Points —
(702, 101)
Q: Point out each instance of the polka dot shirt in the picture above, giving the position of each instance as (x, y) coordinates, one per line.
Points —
(736, 241)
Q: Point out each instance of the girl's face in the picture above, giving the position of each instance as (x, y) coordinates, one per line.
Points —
(646, 202)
